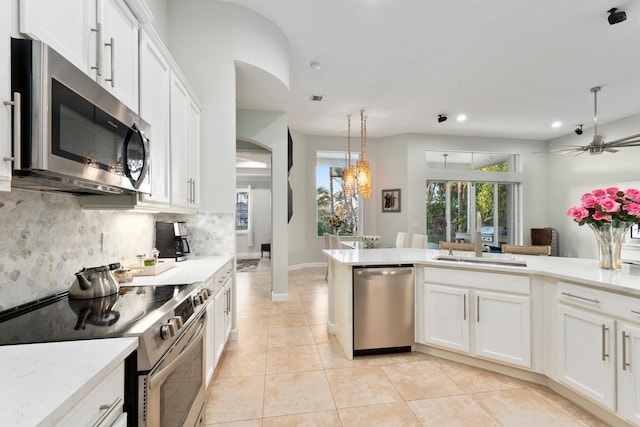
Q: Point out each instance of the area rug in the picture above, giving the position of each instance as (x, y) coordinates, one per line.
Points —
(245, 265)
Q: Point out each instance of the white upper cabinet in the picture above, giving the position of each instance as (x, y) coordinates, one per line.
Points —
(180, 183)
(69, 27)
(7, 100)
(194, 153)
(155, 86)
(119, 51)
(98, 36)
(185, 146)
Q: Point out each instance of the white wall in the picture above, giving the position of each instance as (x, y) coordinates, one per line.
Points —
(206, 38)
(570, 176)
(269, 129)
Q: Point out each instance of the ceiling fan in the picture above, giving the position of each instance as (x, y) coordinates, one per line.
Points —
(597, 145)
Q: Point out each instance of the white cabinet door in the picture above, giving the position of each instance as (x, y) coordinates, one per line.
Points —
(69, 27)
(446, 316)
(229, 311)
(194, 153)
(586, 361)
(210, 344)
(180, 184)
(220, 304)
(629, 372)
(503, 327)
(119, 51)
(6, 98)
(155, 87)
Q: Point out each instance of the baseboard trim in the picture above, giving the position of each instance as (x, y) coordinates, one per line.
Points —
(307, 265)
(279, 297)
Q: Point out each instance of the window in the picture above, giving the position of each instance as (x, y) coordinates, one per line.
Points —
(490, 187)
(242, 210)
(336, 213)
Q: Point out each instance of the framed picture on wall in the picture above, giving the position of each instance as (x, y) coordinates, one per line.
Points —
(391, 200)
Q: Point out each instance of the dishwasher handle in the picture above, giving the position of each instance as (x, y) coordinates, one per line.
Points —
(384, 271)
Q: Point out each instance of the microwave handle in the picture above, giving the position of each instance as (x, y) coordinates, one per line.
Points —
(17, 130)
(146, 160)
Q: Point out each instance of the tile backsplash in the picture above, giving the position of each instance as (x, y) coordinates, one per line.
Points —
(45, 238)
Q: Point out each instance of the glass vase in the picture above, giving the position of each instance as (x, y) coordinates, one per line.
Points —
(610, 236)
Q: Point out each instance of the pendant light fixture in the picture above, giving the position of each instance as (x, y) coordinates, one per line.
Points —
(349, 173)
(363, 176)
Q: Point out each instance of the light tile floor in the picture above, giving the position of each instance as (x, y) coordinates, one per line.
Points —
(285, 370)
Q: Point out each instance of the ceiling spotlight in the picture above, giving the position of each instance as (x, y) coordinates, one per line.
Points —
(556, 125)
(578, 130)
(442, 118)
(315, 65)
(616, 16)
(461, 118)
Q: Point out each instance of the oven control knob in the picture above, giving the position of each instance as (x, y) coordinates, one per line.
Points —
(178, 322)
(205, 294)
(197, 299)
(168, 330)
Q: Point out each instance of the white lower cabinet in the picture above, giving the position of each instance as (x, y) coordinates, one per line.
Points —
(223, 312)
(629, 371)
(503, 327)
(585, 359)
(446, 316)
(103, 406)
(498, 324)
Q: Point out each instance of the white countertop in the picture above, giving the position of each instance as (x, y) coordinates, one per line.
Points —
(580, 270)
(192, 270)
(40, 383)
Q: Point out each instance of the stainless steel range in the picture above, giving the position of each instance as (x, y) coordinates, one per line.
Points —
(165, 377)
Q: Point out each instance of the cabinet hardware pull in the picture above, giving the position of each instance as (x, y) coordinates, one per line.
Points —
(112, 45)
(604, 348)
(593, 300)
(109, 410)
(98, 31)
(464, 305)
(635, 312)
(17, 130)
(478, 308)
(624, 351)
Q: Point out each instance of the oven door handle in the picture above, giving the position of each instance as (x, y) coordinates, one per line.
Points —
(157, 378)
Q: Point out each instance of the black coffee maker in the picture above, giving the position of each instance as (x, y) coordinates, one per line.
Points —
(171, 240)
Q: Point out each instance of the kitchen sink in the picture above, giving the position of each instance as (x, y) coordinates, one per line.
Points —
(482, 261)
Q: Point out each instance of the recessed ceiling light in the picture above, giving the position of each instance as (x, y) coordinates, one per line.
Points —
(315, 65)
(556, 124)
(317, 98)
(461, 118)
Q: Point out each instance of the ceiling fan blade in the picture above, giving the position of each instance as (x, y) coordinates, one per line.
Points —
(610, 150)
(624, 139)
(631, 143)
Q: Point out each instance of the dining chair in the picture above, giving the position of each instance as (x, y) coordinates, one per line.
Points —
(402, 240)
(543, 250)
(455, 246)
(419, 241)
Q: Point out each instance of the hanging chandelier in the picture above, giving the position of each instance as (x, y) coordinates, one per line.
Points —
(363, 174)
(349, 174)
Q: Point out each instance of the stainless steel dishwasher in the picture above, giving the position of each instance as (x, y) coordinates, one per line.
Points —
(383, 309)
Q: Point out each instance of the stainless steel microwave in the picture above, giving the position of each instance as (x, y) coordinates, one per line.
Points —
(69, 133)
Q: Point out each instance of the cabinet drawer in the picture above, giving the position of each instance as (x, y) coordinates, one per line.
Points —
(615, 305)
(88, 411)
(478, 280)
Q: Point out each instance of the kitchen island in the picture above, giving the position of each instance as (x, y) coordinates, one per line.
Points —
(561, 322)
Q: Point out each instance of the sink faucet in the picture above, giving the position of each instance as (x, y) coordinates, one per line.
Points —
(478, 242)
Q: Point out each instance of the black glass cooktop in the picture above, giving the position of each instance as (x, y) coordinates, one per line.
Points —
(59, 318)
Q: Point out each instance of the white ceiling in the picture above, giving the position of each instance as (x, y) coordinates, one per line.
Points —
(513, 67)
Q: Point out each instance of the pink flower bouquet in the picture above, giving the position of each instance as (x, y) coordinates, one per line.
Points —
(606, 206)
